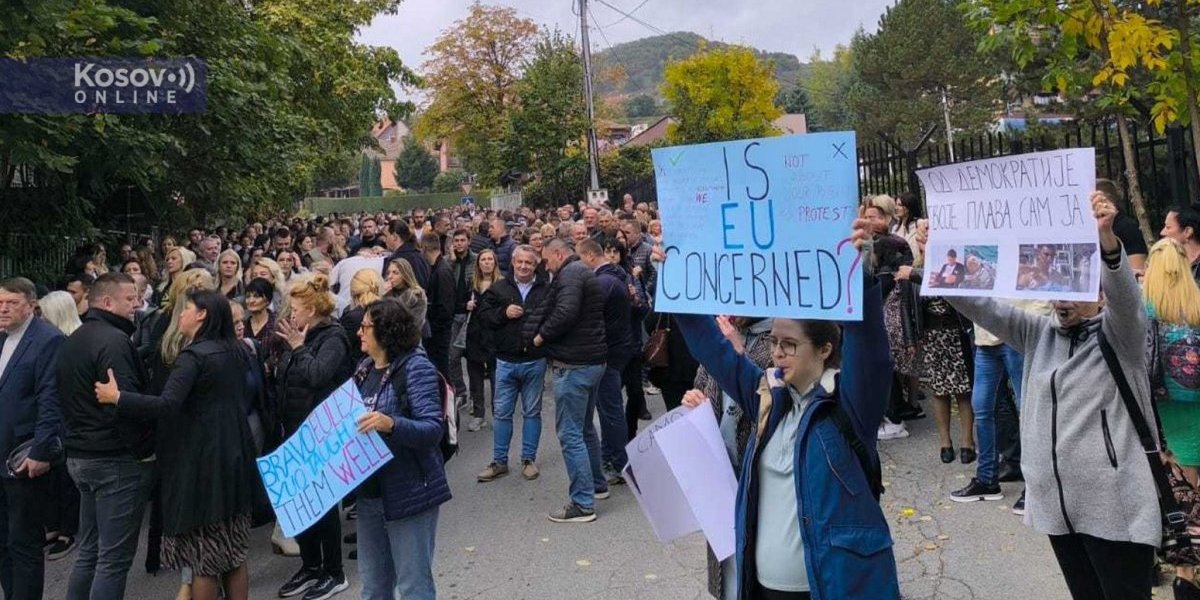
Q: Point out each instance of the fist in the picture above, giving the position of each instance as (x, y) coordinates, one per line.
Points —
(694, 398)
(513, 311)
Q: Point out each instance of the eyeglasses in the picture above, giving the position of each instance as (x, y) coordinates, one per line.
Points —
(366, 326)
(785, 347)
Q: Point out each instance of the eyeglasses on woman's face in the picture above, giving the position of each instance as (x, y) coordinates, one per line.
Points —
(785, 346)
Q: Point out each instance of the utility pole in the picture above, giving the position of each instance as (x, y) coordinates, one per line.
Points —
(949, 131)
(593, 145)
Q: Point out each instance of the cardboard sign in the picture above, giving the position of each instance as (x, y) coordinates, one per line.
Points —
(322, 462)
(760, 227)
(1013, 227)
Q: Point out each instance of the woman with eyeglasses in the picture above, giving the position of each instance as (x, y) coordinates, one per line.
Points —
(808, 521)
(398, 505)
(316, 362)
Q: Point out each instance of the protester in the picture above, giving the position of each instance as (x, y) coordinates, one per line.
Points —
(1125, 227)
(520, 369)
(229, 276)
(570, 325)
(401, 283)
(1172, 302)
(795, 409)
(58, 309)
(398, 505)
(29, 395)
(478, 343)
(315, 364)
(503, 245)
(208, 475)
(365, 288)
(462, 264)
(401, 242)
(441, 304)
(614, 287)
(109, 456)
(1182, 224)
(177, 261)
(1094, 495)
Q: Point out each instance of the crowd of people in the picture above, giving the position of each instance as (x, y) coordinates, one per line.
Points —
(153, 381)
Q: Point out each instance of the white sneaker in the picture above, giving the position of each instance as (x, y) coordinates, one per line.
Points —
(892, 431)
(476, 424)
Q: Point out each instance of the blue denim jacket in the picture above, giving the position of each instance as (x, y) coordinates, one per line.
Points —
(847, 543)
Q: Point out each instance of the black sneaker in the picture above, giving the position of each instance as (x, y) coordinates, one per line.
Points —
(1019, 507)
(59, 547)
(1010, 472)
(573, 513)
(300, 582)
(328, 587)
(977, 490)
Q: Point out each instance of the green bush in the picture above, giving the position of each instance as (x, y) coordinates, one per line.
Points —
(397, 203)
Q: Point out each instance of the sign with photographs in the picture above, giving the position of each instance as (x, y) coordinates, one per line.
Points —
(1013, 227)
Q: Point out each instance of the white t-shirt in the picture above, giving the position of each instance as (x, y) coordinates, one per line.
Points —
(343, 273)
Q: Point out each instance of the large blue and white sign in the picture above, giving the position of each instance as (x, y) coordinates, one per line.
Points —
(760, 227)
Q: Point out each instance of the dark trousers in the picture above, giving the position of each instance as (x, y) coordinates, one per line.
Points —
(762, 593)
(477, 372)
(22, 568)
(321, 544)
(1097, 569)
(672, 393)
(1008, 428)
(635, 401)
(62, 505)
(439, 351)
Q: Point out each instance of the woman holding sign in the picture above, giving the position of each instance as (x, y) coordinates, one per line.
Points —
(808, 520)
(398, 504)
(208, 455)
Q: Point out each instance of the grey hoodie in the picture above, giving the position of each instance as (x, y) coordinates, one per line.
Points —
(1085, 470)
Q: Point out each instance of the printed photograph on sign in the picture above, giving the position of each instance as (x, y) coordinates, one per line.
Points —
(1056, 267)
(950, 270)
(981, 264)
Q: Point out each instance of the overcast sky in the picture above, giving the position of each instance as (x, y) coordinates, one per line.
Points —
(794, 26)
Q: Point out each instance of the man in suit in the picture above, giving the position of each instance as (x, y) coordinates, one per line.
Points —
(29, 409)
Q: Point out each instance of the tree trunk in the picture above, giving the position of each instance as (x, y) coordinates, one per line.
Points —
(1131, 175)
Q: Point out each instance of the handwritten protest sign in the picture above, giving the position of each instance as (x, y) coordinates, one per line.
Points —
(760, 227)
(322, 462)
(680, 474)
(1013, 227)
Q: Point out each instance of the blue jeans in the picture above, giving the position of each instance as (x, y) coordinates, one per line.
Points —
(992, 363)
(613, 431)
(395, 558)
(573, 409)
(525, 379)
(112, 496)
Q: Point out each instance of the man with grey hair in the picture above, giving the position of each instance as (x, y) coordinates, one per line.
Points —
(210, 253)
(29, 397)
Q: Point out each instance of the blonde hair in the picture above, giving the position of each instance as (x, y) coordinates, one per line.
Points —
(407, 276)
(884, 204)
(313, 291)
(173, 340)
(186, 257)
(493, 278)
(59, 309)
(1168, 287)
(275, 270)
(237, 257)
(365, 287)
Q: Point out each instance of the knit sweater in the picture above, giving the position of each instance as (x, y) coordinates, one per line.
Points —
(1085, 470)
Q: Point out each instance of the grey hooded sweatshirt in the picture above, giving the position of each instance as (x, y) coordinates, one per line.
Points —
(1085, 470)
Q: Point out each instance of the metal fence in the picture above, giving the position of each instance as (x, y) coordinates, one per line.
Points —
(1166, 169)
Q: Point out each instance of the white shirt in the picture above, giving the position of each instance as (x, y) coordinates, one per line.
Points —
(524, 288)
(10, 344)
(344, 271)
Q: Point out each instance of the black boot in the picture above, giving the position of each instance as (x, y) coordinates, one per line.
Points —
(1185, 590)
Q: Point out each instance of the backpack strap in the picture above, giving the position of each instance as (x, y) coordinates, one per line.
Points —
(1173, 517)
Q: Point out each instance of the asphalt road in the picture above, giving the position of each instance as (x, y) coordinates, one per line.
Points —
(495, 543)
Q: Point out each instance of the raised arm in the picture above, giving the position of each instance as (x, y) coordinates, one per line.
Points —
(735, 373)
(1012, 325)
(866, 358)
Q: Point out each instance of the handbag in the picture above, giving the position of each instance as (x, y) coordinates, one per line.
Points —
(1178, 499)
(655, 353)
(460, 340)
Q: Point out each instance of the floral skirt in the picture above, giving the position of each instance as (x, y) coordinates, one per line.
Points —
(210, 550)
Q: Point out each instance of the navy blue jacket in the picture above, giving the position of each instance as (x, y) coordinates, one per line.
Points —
(504, 251)
(618, 310)
(29, 404)
(847, 543)
(414, 481)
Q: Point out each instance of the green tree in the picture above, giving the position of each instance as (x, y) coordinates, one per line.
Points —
(828, 85)
(416, 168)
(641, 105)
(549, 124)
(472, 75)
(794, 101)
(450, 181)
(376, 177)
(365, 187)
(912, 81)
(722, 94)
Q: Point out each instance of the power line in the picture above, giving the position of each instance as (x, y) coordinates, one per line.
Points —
(635, 9)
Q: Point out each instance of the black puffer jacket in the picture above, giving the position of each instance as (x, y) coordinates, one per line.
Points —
(617, 312)
(508, 336)
(571, 320)
(308, 374)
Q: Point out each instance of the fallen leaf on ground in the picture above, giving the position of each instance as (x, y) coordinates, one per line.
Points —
(583, 563)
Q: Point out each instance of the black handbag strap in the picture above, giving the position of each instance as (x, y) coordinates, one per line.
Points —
(1173, 516)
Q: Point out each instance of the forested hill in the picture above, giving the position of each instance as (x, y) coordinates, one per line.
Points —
(644, 60)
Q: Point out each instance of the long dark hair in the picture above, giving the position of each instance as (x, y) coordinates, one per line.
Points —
(912, 203)
(218, 319)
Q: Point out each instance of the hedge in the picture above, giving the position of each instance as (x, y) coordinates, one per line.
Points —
(396, 203)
